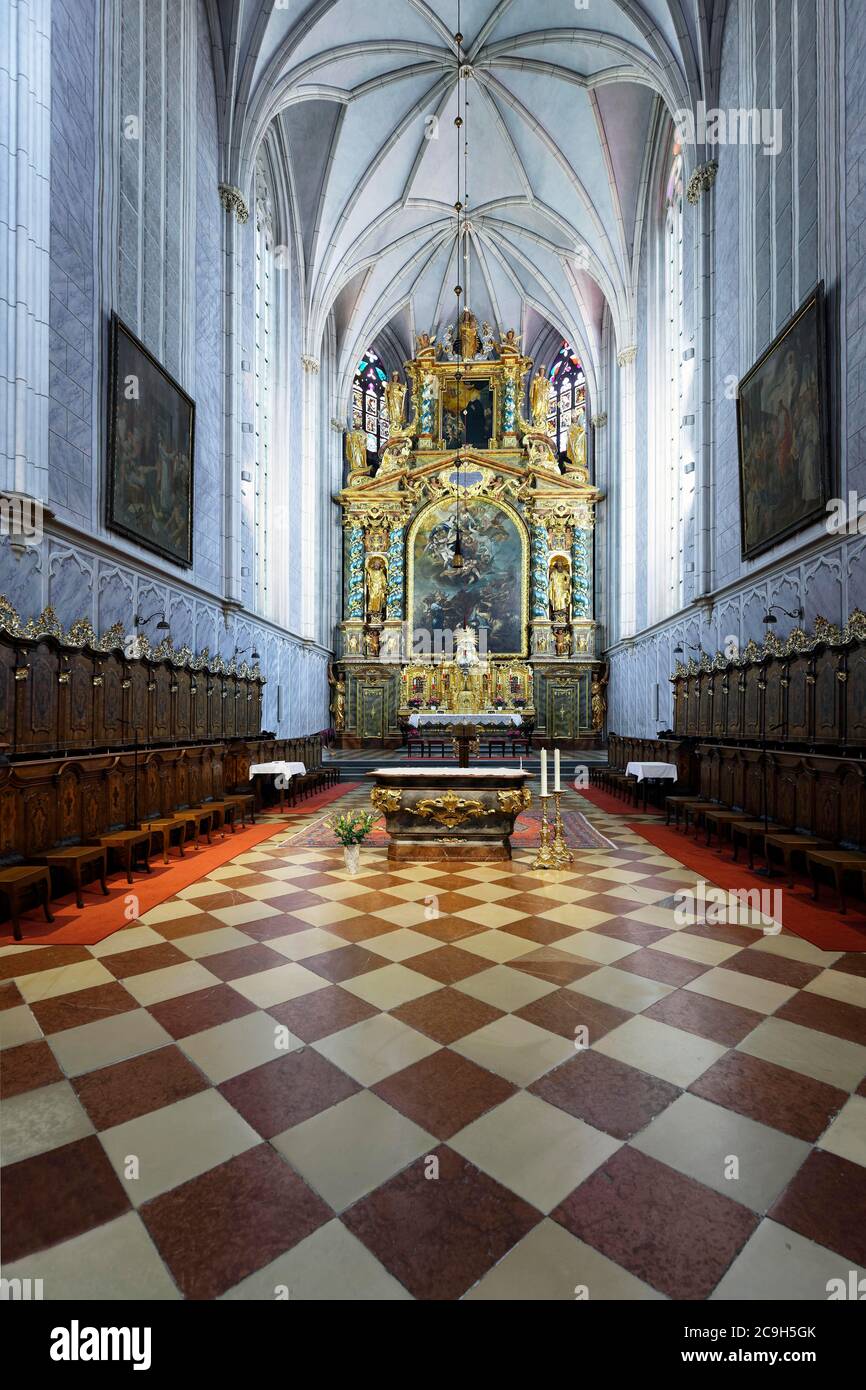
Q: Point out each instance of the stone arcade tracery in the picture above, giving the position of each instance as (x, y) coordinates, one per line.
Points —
(468, 472)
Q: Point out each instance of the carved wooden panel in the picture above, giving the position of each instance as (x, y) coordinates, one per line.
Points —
(93, 818)
(182, 707)
(680, 707)
(138, 701)
(215, 709)
(160, 703)
(827, 721)
(705, 709)
(69, 811)
(752, 703)
(76, 700)
(7, 693)
(37, 699)
(39, 819)
(774, 696)
(229, 702)
(720, 705)
(855, 696)
(735, 705)
(108, 702)
(827, 807)
(199, 703)
(11, 836)
(798, 699)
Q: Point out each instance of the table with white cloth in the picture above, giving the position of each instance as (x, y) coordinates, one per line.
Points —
(446, 719)
(284, 771)
(463, 728)
(651, 772)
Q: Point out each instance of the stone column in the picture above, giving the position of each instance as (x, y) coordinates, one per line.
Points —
(627, 490)
(310, 485)
(25, 140)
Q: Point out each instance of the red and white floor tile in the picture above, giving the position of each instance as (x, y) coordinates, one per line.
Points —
(285, 1078)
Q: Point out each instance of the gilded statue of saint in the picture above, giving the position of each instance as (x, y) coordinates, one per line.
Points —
(560, 586)
(577, 443)
(356, 451)
(469, 343)
(395, 395)
(377, 588)
(539, 399)
(598, 701)
(338, 699)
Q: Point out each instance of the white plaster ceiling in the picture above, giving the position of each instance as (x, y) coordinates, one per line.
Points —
(563, 99)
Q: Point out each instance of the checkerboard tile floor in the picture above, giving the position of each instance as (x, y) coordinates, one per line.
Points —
(369, 1088)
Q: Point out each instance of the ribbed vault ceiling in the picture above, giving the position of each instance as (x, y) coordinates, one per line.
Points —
(563, 104)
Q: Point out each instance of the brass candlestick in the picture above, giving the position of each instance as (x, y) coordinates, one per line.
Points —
(545, 858)
(561, 853)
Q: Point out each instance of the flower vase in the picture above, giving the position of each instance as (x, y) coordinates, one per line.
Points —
(352, 856)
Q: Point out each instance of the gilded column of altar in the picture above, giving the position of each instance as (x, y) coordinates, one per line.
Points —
(353, 627)
(394, 613)
(582, 581)
(541, 627)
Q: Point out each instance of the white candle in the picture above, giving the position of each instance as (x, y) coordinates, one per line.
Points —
(556, 786)
(544, 772)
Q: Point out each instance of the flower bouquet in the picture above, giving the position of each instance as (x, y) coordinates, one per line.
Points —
(351, 829)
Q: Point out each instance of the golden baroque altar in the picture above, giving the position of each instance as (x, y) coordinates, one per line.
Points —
(468, 472)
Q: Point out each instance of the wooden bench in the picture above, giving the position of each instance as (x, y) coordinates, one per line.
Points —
(15, 881)
(789, 844)
(72, 859)
(840, 862)
(129, 845)
(245, 802)
(163, 828)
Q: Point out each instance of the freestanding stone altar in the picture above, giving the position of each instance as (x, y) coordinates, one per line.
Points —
(449, 813)
(470, 517)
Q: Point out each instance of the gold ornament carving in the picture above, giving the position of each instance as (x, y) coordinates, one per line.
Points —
(514, 801)
(451, 810)
(387, 800)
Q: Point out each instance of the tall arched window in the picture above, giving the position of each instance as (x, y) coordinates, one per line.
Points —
(369, 406)
(665, 526)
(672, 370)
(568, 396)
(265, 293)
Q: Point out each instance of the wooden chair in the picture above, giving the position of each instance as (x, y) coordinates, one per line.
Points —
(15, 881)
(73, 859)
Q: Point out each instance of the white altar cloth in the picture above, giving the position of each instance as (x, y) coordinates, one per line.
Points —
(277, 770)
(648, 772)
(418, 721)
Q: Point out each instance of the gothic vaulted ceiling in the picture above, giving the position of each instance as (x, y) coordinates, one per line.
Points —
(563, 104)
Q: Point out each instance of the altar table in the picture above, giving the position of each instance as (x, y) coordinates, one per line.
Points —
(445, 718)
(462, 813)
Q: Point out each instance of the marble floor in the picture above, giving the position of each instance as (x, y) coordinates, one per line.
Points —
(437, 1082)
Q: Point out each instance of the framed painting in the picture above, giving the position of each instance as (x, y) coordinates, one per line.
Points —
(784, 455)
(489, 592)
(475, 398)
(151, 432)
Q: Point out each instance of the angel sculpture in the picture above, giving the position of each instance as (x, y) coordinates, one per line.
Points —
(448, 340)
(488, 342)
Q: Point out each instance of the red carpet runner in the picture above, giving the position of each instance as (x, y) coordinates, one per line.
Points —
(101, 916)
(818, 922)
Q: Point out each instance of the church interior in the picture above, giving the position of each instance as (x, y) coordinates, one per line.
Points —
(433, 651)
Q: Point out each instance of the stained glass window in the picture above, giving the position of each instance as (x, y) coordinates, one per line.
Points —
(369, 406)
(568, 396)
